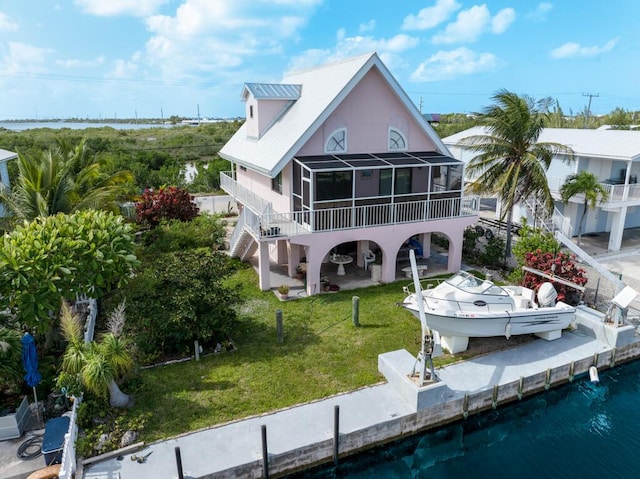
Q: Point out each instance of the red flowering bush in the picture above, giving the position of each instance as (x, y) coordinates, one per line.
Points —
(165, 204)
(565, 268)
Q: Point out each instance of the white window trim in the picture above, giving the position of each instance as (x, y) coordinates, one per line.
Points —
(404, 138)
(330, 137)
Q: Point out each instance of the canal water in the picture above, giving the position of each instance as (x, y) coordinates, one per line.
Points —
(580, 430)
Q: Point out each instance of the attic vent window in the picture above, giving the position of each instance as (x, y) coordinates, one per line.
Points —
(397, 141)
(250, 111)
(337, 142)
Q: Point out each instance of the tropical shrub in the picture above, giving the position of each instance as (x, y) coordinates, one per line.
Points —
(559, 264)
(470, 244)
(10, 359)
(97, 365)
(177, 299)
(531, 239)
(58, 257)
(205, 231)
(493, 254)
(165, 204)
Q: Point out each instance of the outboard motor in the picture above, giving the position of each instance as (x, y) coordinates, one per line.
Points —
(547, 295)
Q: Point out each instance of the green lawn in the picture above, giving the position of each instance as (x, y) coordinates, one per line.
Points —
(323, 353)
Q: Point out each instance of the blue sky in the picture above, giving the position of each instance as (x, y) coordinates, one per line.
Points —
(147, 58)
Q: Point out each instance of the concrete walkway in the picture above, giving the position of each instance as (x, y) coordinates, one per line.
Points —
(220, 448)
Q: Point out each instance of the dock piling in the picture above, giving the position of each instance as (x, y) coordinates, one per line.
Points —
(265, 454)
(520, 387)
(336, 434)
(179, 463)
(572, 368)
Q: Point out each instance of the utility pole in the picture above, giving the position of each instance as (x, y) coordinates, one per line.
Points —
(420, 105)
(590, 95)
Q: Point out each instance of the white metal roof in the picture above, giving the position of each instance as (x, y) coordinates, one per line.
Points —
(6, 155)
(272, 91)
(613, 144)
(322, 90)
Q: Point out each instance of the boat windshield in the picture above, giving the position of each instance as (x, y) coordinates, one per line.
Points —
(469, 283)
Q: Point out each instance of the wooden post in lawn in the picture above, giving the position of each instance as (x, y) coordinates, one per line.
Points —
(355, 310)
(279, 329)
(196, 347)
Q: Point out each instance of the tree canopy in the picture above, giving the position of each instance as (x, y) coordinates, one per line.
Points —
(62, 179)
(58, 257)
(586, 184)
(510, 162)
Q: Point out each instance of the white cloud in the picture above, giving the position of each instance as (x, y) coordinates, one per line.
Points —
(540, 13)
(81, 63)
(367, 27)
(503, 19)
(24, 59)
(6, 24)
(472, 23)
(214, 35)
(124, 68)
(388, 49)
(445, 65)
(107, 8)
(571, 49)
(430, 17)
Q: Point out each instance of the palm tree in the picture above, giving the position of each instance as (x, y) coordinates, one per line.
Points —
(63, 179)
(511, 163)
(583, 183)
(97, 364)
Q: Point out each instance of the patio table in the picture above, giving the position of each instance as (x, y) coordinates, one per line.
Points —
(340, 260)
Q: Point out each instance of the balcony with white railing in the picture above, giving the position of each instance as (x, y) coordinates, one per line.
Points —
(243, 195)
(618, 194)
(272, 224)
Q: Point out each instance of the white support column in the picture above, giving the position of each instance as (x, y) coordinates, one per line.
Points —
(4, 173)
(263, 266)
(293, 251)
(455, 253)
(363, 245)
(617, 229)
(425, 240)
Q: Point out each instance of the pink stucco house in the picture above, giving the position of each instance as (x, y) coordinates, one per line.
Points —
(340, 155)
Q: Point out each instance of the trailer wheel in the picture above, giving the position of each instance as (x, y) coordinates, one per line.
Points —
(480, 230)
(488, 233)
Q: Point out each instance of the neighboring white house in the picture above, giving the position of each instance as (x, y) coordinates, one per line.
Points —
(335, 156)
(5, 156)
(612, 155)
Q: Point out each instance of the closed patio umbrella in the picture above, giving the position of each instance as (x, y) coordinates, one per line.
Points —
(30, 364)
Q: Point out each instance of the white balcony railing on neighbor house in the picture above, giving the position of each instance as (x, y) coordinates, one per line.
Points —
(616, 193)
(293, 223)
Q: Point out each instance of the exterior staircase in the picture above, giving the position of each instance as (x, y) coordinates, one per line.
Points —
(243, 244)
(541, 217)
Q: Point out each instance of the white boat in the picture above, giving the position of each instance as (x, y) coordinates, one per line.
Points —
(464, 306)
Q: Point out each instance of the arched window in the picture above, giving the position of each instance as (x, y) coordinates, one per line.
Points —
(337, 142)
(397, 140)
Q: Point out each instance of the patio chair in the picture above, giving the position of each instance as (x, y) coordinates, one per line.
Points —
(368, 257)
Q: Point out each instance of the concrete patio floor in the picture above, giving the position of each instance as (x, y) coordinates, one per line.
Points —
(355, 277)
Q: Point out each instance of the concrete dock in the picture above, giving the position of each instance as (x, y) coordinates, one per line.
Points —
(302, 436)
